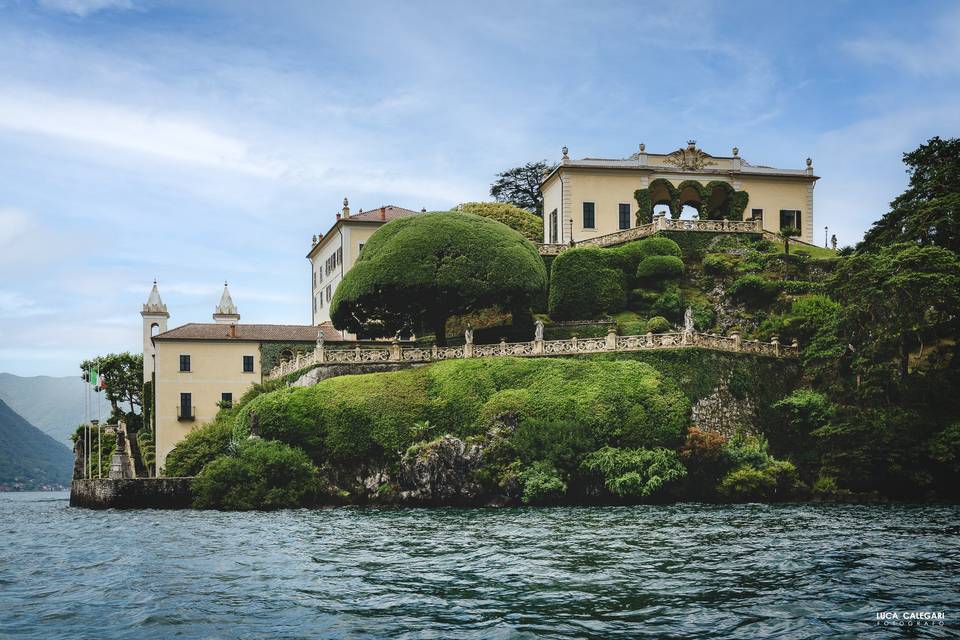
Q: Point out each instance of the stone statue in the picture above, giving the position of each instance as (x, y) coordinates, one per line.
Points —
(538, 331)
(468, 335)
(688, 320)
(833, 242)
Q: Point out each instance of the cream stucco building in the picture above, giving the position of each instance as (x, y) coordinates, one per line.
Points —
(198, 368)
(332, 254)
(592, 197)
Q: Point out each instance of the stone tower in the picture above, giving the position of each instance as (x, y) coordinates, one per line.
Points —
(226, 312)
(155, 318)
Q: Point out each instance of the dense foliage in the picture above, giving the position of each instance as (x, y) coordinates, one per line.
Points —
(123, 377)
(928, 212)
(258, 474)
(418, 271)
(520, 220)
(520, 186)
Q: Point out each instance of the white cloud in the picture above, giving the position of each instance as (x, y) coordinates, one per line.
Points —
(162, 135)
(938, 54)
(83, 8)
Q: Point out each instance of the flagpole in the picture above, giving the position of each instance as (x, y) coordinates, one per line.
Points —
(86, 425)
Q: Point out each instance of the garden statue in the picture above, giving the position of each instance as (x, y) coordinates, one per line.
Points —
(538, 331)
(833, 241)
(468, 335)
(688, 320)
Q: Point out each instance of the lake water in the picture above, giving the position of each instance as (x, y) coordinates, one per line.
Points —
(683, 571)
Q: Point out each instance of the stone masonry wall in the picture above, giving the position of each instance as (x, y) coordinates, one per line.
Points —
(722, 411)
(139, 493)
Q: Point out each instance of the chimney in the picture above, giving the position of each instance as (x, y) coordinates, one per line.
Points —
(338, 215)
(383, 213)
(233, 331)
(346, 208)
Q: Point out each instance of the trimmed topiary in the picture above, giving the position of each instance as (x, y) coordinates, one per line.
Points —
(658, 324)
(585, 282)
(719, 264)
(658, 246)
(754, 290)
(527, 224)
(657, 268)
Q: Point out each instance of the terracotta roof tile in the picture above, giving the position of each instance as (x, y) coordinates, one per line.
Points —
(390, 212)
(252, 332)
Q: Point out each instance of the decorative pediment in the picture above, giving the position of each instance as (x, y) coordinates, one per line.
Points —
(691, 158)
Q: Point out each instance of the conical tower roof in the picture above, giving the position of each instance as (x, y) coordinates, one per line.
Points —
(154, 304)
(226, 311)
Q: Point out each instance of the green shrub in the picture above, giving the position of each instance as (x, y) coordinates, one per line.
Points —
(669, 303)
(541, 484)
(528, 224)
(775, 480)
(656, 268)
(657, 246)
(754, 290)
(586, 282)
(719, 264)
(658, 324)
(198, 448)
(264, 474)
(703, 315)
(635, 473)
(800, 287)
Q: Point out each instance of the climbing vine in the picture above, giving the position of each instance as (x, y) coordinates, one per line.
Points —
(731, 207)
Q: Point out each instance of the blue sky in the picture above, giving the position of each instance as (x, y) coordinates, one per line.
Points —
(198, 142)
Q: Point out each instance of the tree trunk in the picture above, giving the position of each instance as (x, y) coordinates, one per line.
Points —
(440, 331)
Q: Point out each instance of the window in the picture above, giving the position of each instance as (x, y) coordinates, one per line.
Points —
(756, 214)
(184, 363)
(790, 218)
(329, 292)
(248, 364)
(624, 216)
(330, 264)
(314, 304)
(314, 279)
(185, 411)
(318, 302)
(226, 400)
(553, 226)
(359, 248)
(340, 255)
(589, 219)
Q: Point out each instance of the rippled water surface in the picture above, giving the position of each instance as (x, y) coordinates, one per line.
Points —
(684, 571)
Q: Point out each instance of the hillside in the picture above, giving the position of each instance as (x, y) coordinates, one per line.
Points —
(29, 458)
(53, 405)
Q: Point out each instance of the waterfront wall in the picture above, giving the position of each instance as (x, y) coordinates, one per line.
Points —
(134, 493)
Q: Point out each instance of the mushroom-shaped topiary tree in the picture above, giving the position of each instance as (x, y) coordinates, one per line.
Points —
(420, 270)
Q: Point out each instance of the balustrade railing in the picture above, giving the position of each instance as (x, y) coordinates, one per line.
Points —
(612, 343)
(660, 223)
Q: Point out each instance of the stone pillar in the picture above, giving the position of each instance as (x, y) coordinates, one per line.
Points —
(298, 361)
(573, 343)
(503, 346)
(538, 347)
(612, 338)
(649, 338)
(468, 350)
(318, 354)
(395, 351)
(433, 352)
(775, 341)
(736, 340)
(795, 345)
(356, 353)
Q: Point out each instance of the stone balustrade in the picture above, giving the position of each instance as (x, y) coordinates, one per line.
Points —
(660, 223)
(395, 352)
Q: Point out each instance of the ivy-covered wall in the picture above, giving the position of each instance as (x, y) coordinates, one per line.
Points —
(270, 352)
(729, 207)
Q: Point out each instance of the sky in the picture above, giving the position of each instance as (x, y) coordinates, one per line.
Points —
(199, 142)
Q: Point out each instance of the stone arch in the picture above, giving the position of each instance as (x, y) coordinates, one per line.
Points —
(663, 192)
(720, 200)
(286, 355)
(692, 193)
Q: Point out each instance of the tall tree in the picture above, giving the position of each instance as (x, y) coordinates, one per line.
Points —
(419, 271)
(521, 186)
(123, 376)
(928, 212)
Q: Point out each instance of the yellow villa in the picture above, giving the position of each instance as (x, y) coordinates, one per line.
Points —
(593, 197)
(197, 368)
(334, 253)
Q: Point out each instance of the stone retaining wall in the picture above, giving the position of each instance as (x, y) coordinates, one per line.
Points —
(139, 493)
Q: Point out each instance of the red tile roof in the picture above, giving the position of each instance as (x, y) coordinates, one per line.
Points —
(390, 212)
(252, 332)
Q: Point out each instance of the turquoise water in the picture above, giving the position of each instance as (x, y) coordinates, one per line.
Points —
(681, 571)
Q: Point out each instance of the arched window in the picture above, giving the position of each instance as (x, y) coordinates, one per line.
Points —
(154, 329)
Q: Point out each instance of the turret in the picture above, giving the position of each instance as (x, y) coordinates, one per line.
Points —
(155, 318)
(226, 312)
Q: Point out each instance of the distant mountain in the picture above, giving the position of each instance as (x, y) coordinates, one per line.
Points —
(29, 458)
(53, 405)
